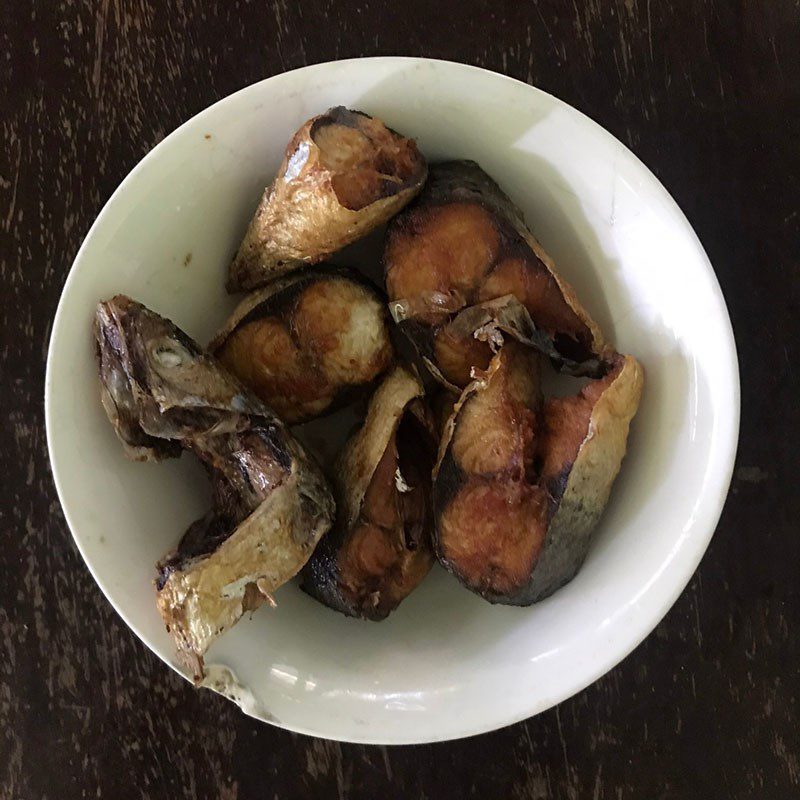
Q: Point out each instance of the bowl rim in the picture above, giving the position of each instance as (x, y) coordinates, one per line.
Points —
(725, 452)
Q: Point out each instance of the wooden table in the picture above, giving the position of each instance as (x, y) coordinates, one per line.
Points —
(705, 92)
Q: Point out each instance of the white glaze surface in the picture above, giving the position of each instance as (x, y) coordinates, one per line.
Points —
(446, 664)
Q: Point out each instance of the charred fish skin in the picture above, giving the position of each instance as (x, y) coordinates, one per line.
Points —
(309, 342)
(463, 243)
(515, 508)
(488, 510)
(380, 547)
(344, 174)
(271, 504)
(582, 489)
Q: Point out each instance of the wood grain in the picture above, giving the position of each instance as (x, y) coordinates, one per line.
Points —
(707, 93)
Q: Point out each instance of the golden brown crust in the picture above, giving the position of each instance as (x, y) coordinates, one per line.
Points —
(500, 456)
(601, 453)
(599, 344)
(507, 521)
(497, 425)
(590, 480)
(464, 245)
(362, 454)
(270, 503)
(308, 342)
(445, 248)
(209, 595)
(312, 209)
(380, 547)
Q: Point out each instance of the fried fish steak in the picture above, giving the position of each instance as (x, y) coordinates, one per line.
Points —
(344, 174)
(270, 502)
(309, 342)
(521, 481)
(380, 547)
(464, 244)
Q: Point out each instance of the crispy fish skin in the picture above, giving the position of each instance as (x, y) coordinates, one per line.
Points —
(379, 549)
(270, 504)
(308, 342)
(588, 484)
(209, 594)
(344, 174)
(472, 336)
(520, 483)
(488, 510)
(464, 243)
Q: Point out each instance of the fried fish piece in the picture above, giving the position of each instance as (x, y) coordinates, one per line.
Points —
(380, 548)
(308, 342)
(521, 482)
(270, 502)
(344, 174)
(462, 244)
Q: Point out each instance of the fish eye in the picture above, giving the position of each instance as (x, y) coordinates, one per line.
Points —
(168, 355)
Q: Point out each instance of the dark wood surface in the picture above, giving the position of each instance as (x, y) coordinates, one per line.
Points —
(707, 93)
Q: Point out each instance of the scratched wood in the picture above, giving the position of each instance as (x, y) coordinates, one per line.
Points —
(707, 93)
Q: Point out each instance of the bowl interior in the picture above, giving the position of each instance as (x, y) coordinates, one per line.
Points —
(446, 663)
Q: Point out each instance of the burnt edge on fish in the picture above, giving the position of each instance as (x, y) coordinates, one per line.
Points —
(270, 502)
(303, 389)
(492, 322)
(316, 206)
(397, 416)
(425, 316)
(572, 494)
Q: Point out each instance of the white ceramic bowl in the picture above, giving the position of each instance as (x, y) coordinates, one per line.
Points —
(446, 664)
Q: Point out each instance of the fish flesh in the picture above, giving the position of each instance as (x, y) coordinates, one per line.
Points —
(462, 244)
(308, 342)
(521, 482)
(344, 174)
(380, 548)
(270, 502)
